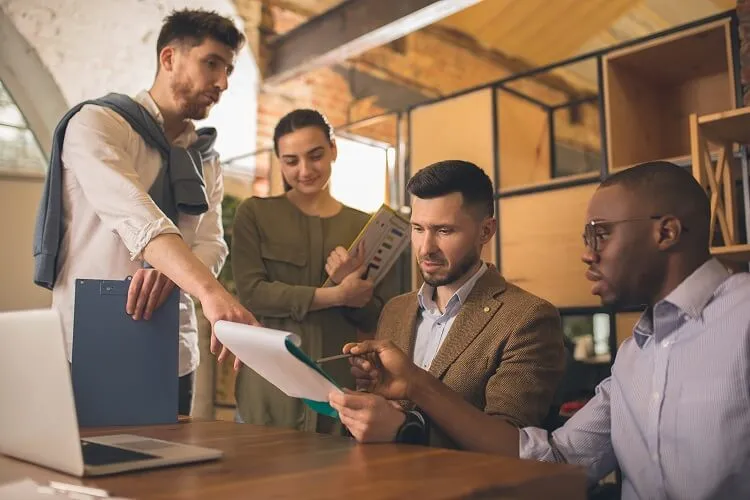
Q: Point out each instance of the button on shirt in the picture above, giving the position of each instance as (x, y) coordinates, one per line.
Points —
(432, 325)
(109, 217)
(675, 414)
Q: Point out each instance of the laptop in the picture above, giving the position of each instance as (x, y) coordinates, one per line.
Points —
(38, 421)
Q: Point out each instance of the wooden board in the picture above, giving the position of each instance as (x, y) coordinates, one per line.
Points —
(624, 322)
(541, 245)
(459, 129)
(652, 88)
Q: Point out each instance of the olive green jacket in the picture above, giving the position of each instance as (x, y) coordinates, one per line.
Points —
(278, 260)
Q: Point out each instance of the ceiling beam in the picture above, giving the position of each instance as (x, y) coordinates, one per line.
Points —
(350, 29)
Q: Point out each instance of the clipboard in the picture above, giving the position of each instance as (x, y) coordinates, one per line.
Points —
(124, 372)
(386, 236)
(276, 356)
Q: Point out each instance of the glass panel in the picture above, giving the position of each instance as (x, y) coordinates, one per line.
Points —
(589, 334)
(358, 178)
(18, 147)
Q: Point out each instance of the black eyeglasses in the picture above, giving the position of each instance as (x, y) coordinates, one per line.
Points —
(591, 238)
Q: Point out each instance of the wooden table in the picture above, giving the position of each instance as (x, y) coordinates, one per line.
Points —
(264, 462)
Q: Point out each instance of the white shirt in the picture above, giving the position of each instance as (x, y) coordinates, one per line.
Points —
(108, 216)
(432, 325)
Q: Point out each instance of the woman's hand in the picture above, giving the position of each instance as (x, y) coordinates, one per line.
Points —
(340, 264)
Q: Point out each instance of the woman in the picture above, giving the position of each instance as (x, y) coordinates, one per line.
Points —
(284, 248)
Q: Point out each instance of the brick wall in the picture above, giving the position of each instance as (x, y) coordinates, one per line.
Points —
(89, 51)
(430, 61)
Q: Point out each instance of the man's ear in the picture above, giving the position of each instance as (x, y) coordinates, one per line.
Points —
(166, 58)
(670, 231)
(488, 229)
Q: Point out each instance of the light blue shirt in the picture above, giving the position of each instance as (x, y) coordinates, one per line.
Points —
(432, 325)
(675, 414)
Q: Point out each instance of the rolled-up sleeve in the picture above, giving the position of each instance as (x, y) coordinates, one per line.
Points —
(209, 245)
(95, 152)
(584, 440)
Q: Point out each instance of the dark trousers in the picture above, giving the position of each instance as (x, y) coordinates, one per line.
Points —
(185, 394)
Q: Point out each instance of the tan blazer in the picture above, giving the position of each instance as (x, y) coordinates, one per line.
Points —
(504, 352)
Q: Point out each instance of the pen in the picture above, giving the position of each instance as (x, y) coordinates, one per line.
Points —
(333, 358)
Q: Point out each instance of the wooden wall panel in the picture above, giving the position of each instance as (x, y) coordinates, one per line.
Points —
(523, 141)
(624, 323)
(541, 245)
(455, 129)
(524, 135)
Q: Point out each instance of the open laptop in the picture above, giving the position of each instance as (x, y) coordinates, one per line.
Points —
(38, 420)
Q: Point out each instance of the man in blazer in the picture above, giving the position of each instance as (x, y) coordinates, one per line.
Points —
(498, 346)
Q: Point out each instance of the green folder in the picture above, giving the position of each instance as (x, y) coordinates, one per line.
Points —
(321, 407)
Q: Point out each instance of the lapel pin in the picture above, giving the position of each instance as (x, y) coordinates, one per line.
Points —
(486, 309)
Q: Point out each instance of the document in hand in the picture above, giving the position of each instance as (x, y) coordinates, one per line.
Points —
(386, 236)
(275, 355)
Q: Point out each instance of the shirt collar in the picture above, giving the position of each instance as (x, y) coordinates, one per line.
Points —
(426, 292)
(188, 136)
(691, 297)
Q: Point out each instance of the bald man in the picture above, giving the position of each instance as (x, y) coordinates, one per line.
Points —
(675, 414)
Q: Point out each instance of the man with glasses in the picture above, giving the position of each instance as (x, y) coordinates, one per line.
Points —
(675, 414)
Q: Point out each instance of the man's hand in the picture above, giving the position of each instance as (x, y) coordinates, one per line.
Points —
(369, 417)
(221, 305)
(148, 290)
(340, 264)
(355, 291)
(382, 368)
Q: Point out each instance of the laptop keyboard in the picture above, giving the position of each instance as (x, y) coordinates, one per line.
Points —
(100, 454)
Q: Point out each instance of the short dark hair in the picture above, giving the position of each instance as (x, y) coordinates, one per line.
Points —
(672, 187)
(193, 26)
(668, 189)
(455, 176)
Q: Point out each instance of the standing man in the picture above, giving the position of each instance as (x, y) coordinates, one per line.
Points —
(675, 414)
(142, 196)
(495, 345)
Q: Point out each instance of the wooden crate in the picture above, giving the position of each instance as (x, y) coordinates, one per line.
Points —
(651, 89)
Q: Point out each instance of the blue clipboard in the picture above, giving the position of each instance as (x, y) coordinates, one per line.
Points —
(124, 372)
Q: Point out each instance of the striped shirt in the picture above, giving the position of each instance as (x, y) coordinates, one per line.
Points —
(675, 414)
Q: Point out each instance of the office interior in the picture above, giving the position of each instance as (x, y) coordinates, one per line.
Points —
(547, 111)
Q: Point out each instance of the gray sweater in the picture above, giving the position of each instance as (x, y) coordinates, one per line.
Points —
(179, 186)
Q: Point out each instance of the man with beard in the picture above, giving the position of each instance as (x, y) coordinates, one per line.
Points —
(111, 224)
(495, 345)
(675, 414)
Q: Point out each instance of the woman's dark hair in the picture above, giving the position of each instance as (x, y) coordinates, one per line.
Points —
(295, 120)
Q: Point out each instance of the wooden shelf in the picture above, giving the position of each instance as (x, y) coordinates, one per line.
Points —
(652, 88)
(727, 126)
(733, 253)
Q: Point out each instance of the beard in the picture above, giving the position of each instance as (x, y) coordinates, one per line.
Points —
(457, 272)
(187, 99)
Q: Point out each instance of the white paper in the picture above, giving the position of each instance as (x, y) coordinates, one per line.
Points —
(264, 350)
(28, 489)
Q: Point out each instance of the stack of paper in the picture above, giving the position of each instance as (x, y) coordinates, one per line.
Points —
(275, 355)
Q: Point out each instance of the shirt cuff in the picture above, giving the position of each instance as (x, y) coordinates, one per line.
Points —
(533, 444)
(136, 238)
